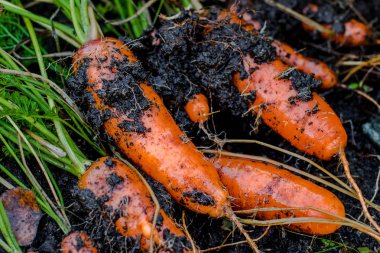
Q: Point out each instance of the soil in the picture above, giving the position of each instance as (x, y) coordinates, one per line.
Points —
(353, 110)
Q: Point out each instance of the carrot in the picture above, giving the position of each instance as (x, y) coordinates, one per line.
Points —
(147, 134)
(308, 123)
(127, 198)
(254, 184)
(197, 108)
(78, 242)
(287, 54)
(355, 32)
(287, 105)
(308, 65)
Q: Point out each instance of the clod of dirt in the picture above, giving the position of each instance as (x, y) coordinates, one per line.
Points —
(303, 83)
(23, 213)
(194, 54)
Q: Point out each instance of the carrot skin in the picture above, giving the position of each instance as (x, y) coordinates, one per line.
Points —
(77, 242)
(311, 126)
(254, 184)
(163, 151)
(307, 65)
(127, 196)
(197, 108)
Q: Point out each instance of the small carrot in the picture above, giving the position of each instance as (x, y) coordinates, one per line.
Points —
(197, 108)
(127, 198)
(254, 184)
(78, 242)
(146, 133)
(355, 32)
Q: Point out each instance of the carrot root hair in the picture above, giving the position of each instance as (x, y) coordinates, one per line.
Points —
(347, 172)
(232, 217)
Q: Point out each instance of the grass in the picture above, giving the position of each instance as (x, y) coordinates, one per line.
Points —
(9, 242)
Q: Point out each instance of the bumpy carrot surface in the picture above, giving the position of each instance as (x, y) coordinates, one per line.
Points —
(197, 108)
(77, 242)
(152, 140)
(254, 184)
(129, 199)
(311, 126)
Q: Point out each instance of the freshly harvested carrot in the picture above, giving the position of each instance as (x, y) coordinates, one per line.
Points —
(146, 133)
(287, 54)
(254, 184)
(78, 242)
(308, 123)
(127, 198)
(306, 64)
(197, 108)
(355, 32)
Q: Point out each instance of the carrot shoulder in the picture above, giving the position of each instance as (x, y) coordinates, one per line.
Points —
(254, 184)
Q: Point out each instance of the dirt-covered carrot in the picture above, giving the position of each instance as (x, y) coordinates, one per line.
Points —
(197, 108)
(77, 242)
(355, 32)
(254, 184)
(289, 108)
(127, 198)
(133, 116)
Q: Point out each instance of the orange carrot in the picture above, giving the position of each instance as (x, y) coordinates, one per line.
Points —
(307, 65)
(127, 196)
(197, 108)
(254, 184)
(78, 242)
(311, 126)
(152, 140)
(355, 32)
